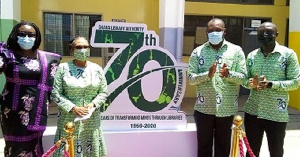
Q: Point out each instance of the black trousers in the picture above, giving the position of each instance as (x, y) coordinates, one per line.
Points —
(275, 132)
(211, 128)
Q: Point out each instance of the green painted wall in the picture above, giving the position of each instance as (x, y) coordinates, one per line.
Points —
(2, 82)
(5, 28)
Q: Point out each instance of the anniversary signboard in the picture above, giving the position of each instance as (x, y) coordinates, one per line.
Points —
(146, 84)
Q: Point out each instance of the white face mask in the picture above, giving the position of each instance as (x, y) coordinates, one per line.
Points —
(215, 37)
(26, 43)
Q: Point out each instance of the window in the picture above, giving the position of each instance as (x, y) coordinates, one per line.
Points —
(234, 29)
(258, 1)
(195, 30)
(239, 30)
(262, 2)
(287, 32)
(60, 28)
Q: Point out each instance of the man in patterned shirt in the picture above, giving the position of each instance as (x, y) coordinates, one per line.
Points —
(273, 70)
(217, 68)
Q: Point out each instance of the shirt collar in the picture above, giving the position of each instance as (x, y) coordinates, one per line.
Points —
(207, 44)
(277, 48)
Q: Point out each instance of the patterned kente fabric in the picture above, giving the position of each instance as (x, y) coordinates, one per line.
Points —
(217, 96)
(282, 69)
(75, 86)
(25, 99)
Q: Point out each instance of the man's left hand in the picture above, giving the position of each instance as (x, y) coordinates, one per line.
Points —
(224, 71)
(262, 83)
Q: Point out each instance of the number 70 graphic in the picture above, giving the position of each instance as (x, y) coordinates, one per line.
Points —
(138, 56)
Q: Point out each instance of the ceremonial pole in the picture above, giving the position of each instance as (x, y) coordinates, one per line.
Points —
(69, 128)
(237, 121)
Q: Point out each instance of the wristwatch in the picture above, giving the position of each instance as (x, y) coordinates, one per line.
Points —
(73, 109)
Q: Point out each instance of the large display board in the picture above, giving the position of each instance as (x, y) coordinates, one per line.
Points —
(146, 84)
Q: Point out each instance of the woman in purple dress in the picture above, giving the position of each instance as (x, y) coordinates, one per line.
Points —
(25, 98)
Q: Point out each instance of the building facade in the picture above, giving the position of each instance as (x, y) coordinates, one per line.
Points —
(59, 21)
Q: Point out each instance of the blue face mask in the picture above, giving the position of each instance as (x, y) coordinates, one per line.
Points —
(26, 43)
(215, 37)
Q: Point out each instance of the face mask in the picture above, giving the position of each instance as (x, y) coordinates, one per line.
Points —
(82, 54)
(215, 37)
(266, 38)
(26, 43)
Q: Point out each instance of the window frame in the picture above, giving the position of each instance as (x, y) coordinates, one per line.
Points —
(226, 1)
(72, 25)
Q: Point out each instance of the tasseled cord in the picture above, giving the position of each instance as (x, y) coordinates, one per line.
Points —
(52, 149)
(249, 150)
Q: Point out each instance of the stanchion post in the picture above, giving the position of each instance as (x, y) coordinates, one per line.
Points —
(69, 128)
(237, 121)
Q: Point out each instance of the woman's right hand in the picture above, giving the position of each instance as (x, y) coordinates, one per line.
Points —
(80, 111)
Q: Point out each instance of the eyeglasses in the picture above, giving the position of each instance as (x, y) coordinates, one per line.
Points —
(82, 47)
(24, 34)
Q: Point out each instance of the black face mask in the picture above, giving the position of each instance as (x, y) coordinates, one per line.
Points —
(267, 38)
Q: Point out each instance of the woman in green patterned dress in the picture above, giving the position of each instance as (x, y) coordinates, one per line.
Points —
(79, 86)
